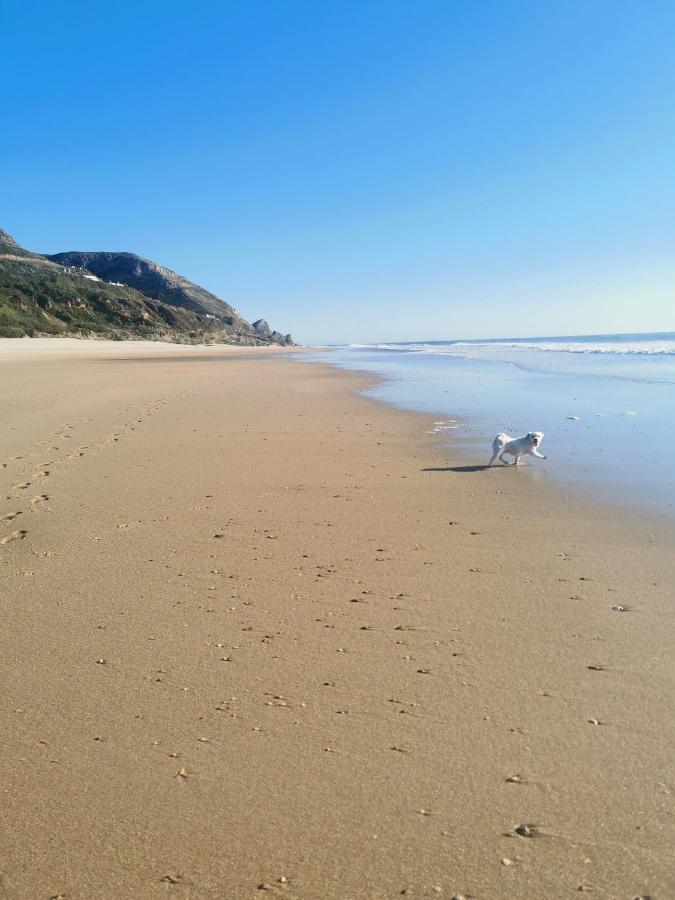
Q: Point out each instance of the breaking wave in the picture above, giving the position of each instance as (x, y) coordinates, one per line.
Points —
(620, 345)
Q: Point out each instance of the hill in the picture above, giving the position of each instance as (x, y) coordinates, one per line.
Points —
(112, 295)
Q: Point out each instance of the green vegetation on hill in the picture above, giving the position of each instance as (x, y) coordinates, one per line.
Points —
(39, 298)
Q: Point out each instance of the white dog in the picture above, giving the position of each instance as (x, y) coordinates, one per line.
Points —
(516, 447)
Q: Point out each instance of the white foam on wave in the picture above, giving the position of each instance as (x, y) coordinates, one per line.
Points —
(403, 348)
(663, 347)
(651, 348)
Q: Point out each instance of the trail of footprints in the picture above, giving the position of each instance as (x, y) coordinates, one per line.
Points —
(43, 470)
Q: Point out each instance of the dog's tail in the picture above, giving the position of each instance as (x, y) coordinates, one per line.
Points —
(497, 446)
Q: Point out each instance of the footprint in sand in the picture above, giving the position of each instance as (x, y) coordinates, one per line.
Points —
(10, 516)
(66, 427)
(39, 498)
(14, 536)
(23, 486)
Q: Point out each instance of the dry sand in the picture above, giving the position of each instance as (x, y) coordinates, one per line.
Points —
(262, 636)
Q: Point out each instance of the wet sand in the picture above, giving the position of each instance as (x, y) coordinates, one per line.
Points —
(262, 636)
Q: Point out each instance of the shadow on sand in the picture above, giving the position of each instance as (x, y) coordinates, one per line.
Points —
(462, 469)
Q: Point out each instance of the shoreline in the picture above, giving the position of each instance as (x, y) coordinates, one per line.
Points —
(16, 347)
(564, 474)
(263, 630)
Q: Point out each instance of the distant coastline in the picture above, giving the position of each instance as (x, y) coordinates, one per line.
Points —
(117, 296)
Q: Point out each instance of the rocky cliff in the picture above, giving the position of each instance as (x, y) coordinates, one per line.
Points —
(262, 328)
(118, 295)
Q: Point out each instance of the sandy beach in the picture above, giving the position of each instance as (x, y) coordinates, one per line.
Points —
(263, 636)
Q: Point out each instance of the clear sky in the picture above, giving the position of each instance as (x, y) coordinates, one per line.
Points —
(355, 170)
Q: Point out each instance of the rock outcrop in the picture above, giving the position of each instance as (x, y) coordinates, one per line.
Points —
(7, 241)
(262, 328)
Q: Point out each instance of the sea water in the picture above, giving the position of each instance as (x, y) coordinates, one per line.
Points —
(606, 403)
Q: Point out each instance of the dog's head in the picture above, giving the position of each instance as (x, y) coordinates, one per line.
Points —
(535, 437)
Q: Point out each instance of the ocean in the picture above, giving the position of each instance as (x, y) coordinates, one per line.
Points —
(606, 404)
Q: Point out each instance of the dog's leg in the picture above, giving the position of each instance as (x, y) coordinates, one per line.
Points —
(495, 456)
(536, 453)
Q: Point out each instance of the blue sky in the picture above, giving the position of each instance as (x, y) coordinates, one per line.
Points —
(357, 171)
